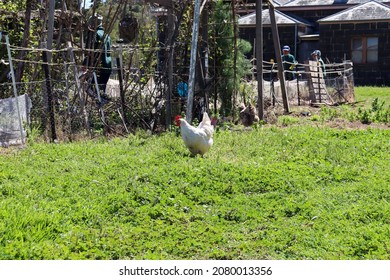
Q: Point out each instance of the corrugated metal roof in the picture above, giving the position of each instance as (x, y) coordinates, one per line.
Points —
(281, 19)
(369, 11)
(299, 3)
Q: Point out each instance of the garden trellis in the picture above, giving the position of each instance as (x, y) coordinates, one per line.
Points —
(70, 101)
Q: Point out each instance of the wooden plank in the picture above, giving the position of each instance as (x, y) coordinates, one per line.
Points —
(317, 87)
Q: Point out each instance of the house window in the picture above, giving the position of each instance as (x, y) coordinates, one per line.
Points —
(365, 50)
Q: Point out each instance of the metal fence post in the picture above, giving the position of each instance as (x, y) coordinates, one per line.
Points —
(14, 85)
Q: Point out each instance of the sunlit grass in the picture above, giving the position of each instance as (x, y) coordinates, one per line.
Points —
(294, 192)
(367, 94)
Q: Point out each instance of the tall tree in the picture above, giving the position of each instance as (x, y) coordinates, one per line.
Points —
(230, 62)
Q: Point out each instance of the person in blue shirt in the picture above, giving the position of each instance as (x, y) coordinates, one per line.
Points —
(97, 39)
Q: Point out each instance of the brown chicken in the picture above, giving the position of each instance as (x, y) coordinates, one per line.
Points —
(248, 115)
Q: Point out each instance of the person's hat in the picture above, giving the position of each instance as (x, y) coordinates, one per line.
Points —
(286, 48)
(95, 21)
(316, 52)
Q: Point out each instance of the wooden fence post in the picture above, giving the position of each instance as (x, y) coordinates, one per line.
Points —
(50, 105)
(259, 58)
(275, 35)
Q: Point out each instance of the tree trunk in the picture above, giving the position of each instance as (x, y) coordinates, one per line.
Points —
(235, 50)
(26, 37)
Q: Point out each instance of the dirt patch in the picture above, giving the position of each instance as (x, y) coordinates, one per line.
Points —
(10, 150)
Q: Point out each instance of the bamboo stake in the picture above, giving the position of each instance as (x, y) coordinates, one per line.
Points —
(119, 62)
(170, 67)
(194, 45)
(100, 102)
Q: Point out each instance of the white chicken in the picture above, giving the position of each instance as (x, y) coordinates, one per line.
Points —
(197, 139)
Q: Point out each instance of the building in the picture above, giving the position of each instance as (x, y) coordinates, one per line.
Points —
(356, 30)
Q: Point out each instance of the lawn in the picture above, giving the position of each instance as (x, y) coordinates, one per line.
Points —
(291, 191)
(367, 94)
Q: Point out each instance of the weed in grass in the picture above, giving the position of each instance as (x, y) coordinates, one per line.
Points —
(315, 118)
(377, 113)
(287, 120)
(328, 114)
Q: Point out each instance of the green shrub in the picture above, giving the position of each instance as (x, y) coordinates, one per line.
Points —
(377, 113)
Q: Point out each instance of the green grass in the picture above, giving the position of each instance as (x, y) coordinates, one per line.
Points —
(367, 94)
(297, 192)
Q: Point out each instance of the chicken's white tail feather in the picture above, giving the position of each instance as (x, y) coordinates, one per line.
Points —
(206, 125)
(205, 121)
